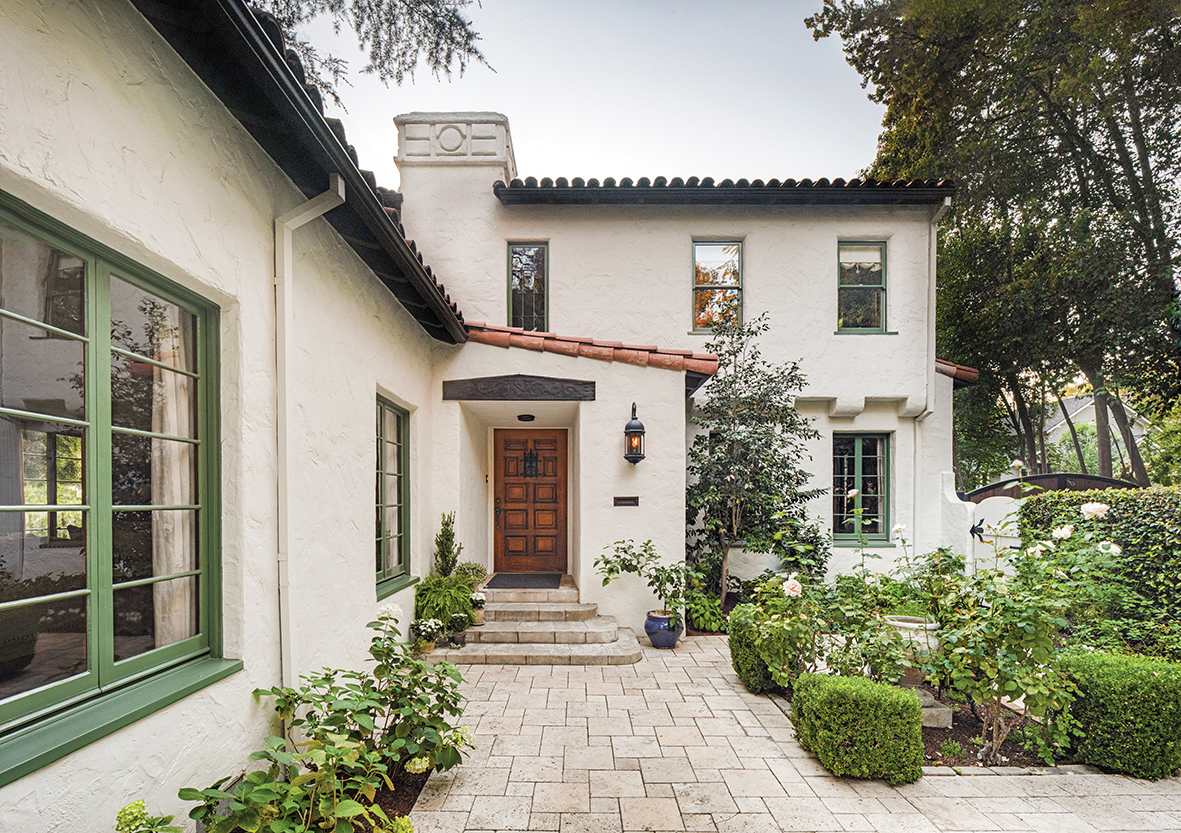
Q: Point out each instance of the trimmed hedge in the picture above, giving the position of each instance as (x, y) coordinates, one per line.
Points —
(858, 727)
(1145, 523)
(744, 656)
(1130, 709)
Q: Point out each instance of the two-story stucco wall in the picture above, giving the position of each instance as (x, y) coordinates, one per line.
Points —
(108, 131)
(625, 272)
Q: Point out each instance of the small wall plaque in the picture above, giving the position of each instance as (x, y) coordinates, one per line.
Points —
(629, 500)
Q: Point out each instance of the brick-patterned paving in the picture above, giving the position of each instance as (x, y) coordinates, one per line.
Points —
(675, 742)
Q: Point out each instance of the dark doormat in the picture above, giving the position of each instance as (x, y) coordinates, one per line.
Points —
(525, 581)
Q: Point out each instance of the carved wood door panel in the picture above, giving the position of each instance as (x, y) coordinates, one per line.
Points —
(530, 501)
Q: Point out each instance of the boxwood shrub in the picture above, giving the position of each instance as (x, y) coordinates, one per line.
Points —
(1130, 710)
(1145, 523)
(859, 727)
(743, 655)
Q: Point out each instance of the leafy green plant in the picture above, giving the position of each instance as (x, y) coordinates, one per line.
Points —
(667, 581)
(473, 572)
(703, 610)
(859, 727)
(446, 549)
(441, 597)
(952, 749)
(347, 732)
(134, 818)
(1130, 711)
(750, 667)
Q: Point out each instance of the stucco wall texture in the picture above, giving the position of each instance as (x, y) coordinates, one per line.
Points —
(104, 128)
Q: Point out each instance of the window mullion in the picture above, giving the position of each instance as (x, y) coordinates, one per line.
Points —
(101, 636)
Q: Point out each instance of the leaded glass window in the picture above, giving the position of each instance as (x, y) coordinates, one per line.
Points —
(393, 494)
(527, 290)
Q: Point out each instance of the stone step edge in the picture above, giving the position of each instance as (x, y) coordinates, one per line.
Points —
(625, 650)
(563, 594)
(599, 630)
(540, 611)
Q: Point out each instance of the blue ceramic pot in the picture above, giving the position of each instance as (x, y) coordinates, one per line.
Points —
(661, 631)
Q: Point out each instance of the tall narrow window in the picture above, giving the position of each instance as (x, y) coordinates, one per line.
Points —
(527, 279)
(859, 464)
(861, 287)
(108, 457)
(717, 282)
(393, 496)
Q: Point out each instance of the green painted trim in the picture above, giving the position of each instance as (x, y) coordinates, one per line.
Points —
(28, 750)
(390, 586)
(402, 569)
(508, 264)
(180, 371)
(870, 544)
(884, 286)
(849, 539)
(863, 331)
(40, 325)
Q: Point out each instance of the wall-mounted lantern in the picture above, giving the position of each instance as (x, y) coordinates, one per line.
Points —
(633, 439)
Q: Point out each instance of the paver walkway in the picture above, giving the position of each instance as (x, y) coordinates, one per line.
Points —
(675, 742)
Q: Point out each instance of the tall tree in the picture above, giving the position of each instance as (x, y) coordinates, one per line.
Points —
(747, 483)
(396, 34)
(1056, 116)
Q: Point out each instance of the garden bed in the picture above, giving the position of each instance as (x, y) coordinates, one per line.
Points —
(966, 730)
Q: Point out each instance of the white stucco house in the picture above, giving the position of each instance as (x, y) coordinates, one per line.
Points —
(216, 337)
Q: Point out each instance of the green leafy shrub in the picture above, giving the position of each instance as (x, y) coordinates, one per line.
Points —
(134, 818)
(859, 727)
(1146, 526)
(347, 732)
(744, 656)
(1130, 711)
(441, 597)
(473, 572)
(952, 749)
(446, 549)
(703, 610)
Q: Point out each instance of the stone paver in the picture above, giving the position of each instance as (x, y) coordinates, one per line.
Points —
(676, 743)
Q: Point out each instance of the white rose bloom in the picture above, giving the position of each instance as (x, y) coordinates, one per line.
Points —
(1110, 548)
(899, 529)
(1094, 510)
(1063, 532)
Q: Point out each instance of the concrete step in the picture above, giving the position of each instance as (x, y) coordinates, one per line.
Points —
(625, 650)
(567, 592)
(600, 629)
(540, 611)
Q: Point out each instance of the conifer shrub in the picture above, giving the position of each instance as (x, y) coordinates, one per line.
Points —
(859, 727)
(1130, 710)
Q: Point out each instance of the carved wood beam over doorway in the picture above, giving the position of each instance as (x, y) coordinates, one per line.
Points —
(519, 387)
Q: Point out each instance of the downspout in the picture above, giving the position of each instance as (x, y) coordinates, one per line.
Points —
(285, 224)
(928, 404)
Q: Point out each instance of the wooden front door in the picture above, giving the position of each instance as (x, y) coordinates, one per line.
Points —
(530, 503)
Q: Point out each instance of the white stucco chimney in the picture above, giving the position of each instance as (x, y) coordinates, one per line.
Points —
(456, 139)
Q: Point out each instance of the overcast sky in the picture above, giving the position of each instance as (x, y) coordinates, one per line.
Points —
(641, 88)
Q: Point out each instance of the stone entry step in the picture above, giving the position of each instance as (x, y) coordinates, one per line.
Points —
(624, 650)
(567, 592)
(539, 612)
(598, 629)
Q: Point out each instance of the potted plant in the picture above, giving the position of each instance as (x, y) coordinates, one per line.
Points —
(667, 582)
(426, 633)
(478, 602)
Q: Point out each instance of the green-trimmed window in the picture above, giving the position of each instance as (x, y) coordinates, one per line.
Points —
(528, 277)
(861, 287)
(860, 463)
(393, 495)
(717, 282)
(108, 457)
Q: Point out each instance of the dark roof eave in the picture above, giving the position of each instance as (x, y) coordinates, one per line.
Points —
(791, 193)
(254, 49)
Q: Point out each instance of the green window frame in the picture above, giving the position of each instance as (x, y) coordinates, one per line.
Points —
(393, 498)
(861, 287)
(528, 286)
(860, 462)
(717, 281)
(131, 620)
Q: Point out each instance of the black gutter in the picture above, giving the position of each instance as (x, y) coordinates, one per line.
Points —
(252, 46)
(804, 193)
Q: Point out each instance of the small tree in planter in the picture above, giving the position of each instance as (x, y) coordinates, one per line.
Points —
(667, 581)
(446, 549)
(746, 481)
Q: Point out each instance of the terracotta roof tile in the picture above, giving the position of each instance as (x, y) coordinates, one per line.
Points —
(962, 374)
(704, 364)
(694, 190)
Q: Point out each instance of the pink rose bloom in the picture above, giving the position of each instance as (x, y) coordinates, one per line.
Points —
(792, 586)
